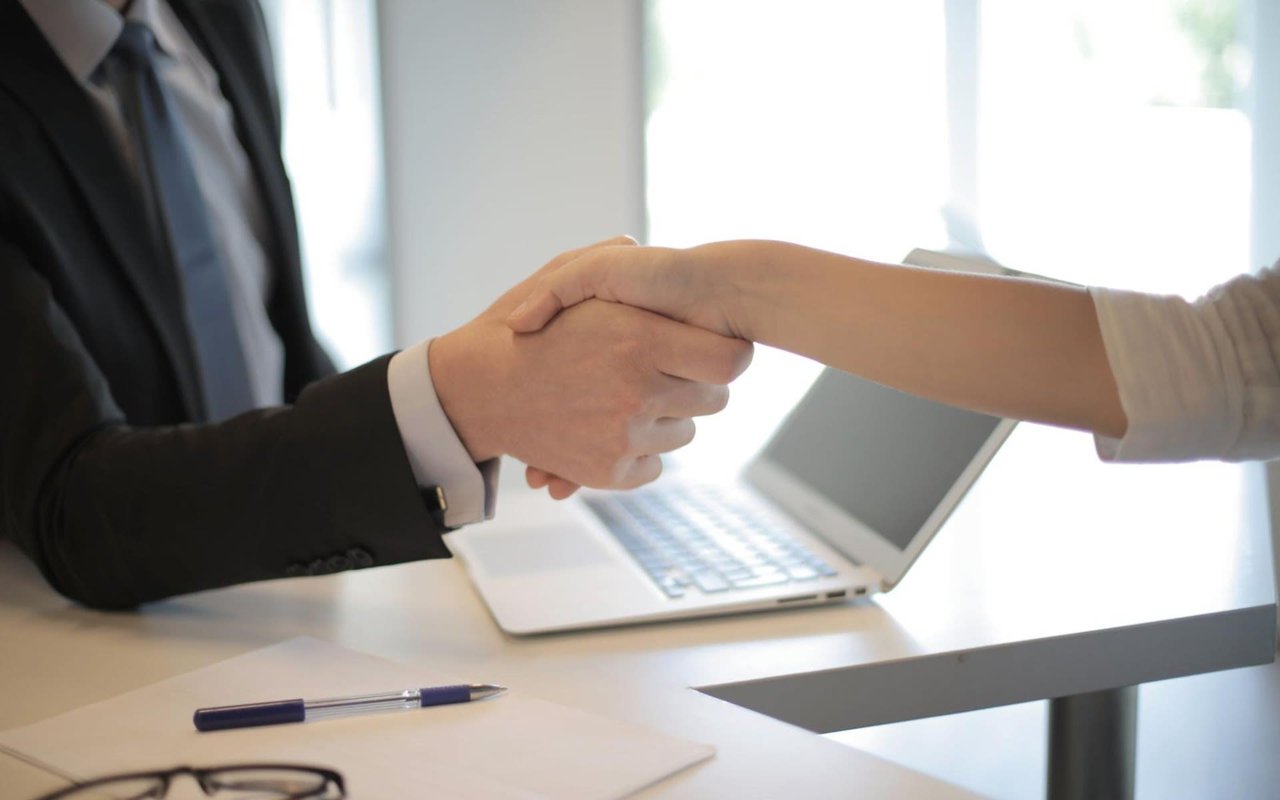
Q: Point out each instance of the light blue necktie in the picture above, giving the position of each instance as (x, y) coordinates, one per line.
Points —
(184, 222)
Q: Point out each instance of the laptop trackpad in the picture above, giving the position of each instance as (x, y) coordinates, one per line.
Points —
(534, 550)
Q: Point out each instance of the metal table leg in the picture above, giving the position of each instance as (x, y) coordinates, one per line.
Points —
(1092, 745)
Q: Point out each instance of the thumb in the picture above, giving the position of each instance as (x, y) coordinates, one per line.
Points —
(552, 293)
(569, 256)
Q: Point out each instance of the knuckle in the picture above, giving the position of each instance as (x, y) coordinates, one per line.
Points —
(641, 392)
(631, 402)
(654, 467)
(688, 431)
(629, 347)
(738, 359)
(644, 469)
(618, 443)
(602, 475)
(746, 352)
(723, 371)
(622, 476)
(719, 399)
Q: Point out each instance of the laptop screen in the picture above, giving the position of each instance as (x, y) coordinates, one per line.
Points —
(886, 458)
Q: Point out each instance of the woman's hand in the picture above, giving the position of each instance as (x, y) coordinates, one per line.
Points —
(674, 283)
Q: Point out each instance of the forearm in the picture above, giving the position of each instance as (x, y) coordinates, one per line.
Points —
(1017, 348)
(129, 515)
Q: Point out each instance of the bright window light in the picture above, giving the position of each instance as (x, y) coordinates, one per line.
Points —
(327, 68)
(1092, 141)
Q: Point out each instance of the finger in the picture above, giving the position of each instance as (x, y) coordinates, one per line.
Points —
(557, 487)
(551, 294)
(642, 470)
(696, 354)
(567, 256)
(679, 397)
(665, 435)
(560, 489)
(536, 478)
(514, 298)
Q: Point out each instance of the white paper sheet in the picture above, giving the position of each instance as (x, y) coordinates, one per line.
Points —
(513, 746)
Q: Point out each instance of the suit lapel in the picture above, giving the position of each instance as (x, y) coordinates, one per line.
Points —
(35, 76)
(232, 36)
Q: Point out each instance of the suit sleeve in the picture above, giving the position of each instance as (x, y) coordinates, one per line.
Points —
(116, 515)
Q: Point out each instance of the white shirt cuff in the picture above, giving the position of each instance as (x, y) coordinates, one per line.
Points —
(435, 452)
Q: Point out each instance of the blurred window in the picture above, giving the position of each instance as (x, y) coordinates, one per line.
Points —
(327, 65)
(1094, 141)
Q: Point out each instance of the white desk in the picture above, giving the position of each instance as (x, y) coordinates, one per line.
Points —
(56, 657)
(1041, 586)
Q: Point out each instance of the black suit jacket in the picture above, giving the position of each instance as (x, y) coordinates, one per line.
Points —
(108, 478)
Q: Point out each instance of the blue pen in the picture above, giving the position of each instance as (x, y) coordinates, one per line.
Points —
(282, 711)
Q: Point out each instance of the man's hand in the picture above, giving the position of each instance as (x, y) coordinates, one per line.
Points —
(593, 398)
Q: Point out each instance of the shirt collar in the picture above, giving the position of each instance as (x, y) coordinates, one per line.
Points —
(82, 32)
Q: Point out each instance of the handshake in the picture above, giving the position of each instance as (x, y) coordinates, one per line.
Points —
(588, 392)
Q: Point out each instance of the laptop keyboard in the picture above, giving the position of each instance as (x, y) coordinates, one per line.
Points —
(704, 539)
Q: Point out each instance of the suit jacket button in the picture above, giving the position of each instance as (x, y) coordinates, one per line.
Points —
(360, 557)
(317, 567)
(338, 563)
(295, 571)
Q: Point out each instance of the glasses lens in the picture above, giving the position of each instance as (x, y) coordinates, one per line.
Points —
(271, 783)
(119, 789)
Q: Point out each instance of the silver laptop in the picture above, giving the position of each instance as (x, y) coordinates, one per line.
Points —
(838, 504)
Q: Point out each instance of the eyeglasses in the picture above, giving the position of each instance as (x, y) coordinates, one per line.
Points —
(232, 782)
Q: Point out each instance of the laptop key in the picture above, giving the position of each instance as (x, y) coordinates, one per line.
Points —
(689, 544)
(671, 585)
(710, 582)
(768, 579)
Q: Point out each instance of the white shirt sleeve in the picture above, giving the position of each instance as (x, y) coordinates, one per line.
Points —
(1197, 379)
(435, 452)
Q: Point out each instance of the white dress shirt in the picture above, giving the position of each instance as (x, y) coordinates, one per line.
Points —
(1197, 379)
(82, 33)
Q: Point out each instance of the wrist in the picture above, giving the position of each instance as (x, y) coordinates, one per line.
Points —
(460, 388)
(733, 276)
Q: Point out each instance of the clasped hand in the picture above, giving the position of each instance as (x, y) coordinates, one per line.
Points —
(592, 398)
